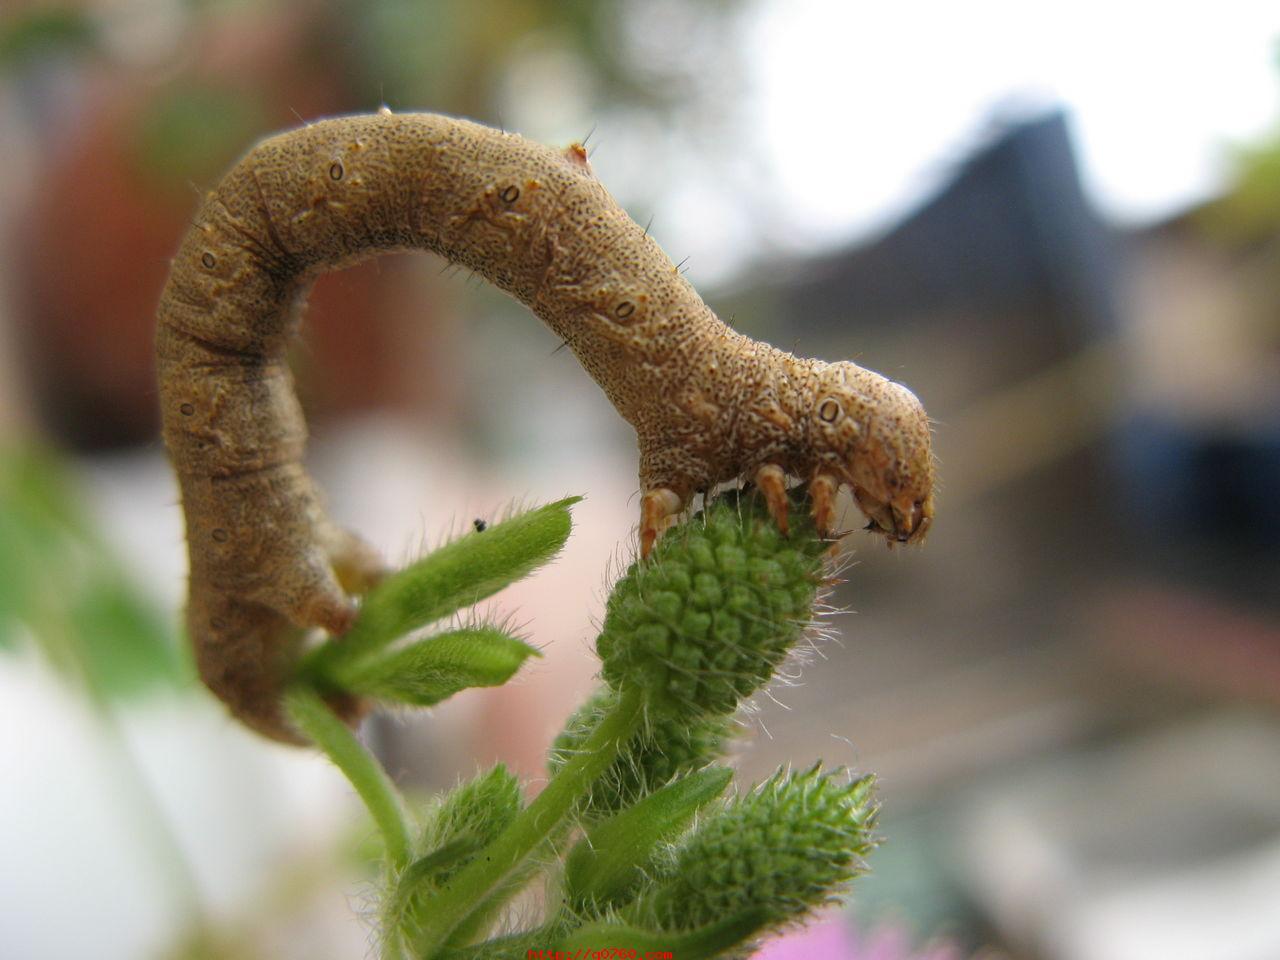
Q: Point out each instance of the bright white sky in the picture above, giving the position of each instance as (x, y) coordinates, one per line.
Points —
(866, 105)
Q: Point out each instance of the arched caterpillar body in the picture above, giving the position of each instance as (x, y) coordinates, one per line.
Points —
(708, 404)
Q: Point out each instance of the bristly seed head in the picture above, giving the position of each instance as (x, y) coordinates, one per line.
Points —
(705, 621)
(783, 849)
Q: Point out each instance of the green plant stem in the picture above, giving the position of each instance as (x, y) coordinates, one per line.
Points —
(469, 890)
(314, 718)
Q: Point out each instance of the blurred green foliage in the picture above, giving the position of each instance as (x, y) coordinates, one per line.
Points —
(193, 131)
(674, 866)
(206, 104)
(43, 31)
(1250, 210)
(448, 54)
(63, 589)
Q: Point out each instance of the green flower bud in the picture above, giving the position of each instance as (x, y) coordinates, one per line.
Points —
(705, 621)
(668, 747)
(783, 849)
(476, 811)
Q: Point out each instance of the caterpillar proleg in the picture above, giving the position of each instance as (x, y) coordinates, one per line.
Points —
(708, 404)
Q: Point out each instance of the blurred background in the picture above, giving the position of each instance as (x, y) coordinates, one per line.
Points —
(1059, 223)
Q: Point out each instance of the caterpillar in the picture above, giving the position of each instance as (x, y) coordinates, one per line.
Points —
(708, 404)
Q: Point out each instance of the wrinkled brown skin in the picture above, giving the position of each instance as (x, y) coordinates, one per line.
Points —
(708, 404)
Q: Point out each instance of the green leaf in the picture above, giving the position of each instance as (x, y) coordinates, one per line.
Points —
(670, 745)
(417, 880)
(606, 866)
(456, 830)
(477, 810)
(452, 912)
(457, 575)
(64, 588)
(434, 669)
(701, 943)
(126, 646)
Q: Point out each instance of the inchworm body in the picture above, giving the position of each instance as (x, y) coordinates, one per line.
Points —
(708, 404)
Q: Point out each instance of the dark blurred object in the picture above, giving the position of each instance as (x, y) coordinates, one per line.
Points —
(1210, 487)
(1011, 232)
(1199, 449)
(1004, 277)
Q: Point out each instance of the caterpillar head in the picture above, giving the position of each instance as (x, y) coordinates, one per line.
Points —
(873, 434)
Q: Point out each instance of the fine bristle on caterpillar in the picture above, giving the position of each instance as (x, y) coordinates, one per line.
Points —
(708, 404)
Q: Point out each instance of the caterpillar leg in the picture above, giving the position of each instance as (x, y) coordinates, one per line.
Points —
(358, 567)
(772, 481)
(657, 508)
(247, 641)
(822, 492)
(314, 570)
(308, 593)
(245, 654)
(266, 565)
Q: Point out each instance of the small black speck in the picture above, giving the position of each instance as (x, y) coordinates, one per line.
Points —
(480, 525)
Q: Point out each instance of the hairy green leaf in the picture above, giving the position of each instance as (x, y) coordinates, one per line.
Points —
(457, 575)
(700, 943)
(431, 670)
(605, 867)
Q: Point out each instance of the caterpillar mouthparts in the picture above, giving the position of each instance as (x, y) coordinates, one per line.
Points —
(709, 404)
